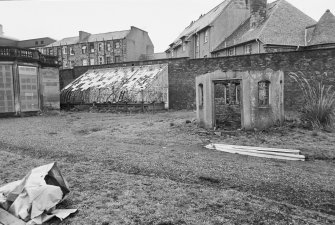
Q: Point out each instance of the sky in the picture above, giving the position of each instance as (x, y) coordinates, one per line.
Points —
(163, 19)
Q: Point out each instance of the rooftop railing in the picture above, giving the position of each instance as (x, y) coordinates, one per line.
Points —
(28, 54)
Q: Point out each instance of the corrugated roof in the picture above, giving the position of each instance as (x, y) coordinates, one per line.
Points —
(284, 25)
(203, 21)
(324, 31)
(104, 85)
(92, 38)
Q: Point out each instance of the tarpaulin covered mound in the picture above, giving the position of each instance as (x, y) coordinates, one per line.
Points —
(34, 198)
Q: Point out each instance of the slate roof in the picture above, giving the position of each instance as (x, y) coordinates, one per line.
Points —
(283, 25)
(324, 31)
(92, 38)
(202, 22)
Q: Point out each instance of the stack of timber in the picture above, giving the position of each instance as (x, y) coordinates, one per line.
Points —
(272, 153)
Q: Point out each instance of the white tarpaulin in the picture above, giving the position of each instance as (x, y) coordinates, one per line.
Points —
(34, 198)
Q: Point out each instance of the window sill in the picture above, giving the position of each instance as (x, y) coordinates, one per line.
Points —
(264, 107)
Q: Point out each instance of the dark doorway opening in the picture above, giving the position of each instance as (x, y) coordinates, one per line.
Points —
(227, 104)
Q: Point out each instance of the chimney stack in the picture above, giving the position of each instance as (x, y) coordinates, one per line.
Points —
(83, 35)
(258, 10)
(1, 31)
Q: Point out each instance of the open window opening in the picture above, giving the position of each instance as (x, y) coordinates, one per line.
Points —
(201, 96)
(263, 93)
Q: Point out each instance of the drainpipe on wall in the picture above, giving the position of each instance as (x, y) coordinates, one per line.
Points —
(259, 45)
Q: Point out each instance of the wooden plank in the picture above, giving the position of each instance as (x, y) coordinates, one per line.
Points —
(8, 219)
(292, 151)
(272, 155)
(260, 152)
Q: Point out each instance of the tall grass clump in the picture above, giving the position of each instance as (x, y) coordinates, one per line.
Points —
(318, 110)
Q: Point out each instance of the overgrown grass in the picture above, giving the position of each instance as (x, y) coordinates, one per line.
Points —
(318, 110)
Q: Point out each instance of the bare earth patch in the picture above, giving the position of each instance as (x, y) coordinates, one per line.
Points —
(153, 169)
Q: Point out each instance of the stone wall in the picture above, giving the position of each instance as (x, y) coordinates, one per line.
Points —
(182, 72)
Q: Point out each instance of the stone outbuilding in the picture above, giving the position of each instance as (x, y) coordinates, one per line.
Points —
(240, 99)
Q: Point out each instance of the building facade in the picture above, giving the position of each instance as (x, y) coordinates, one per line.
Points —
(273, 27)
(202, 36)
(36, 43)
(105, 48)
(242, 27)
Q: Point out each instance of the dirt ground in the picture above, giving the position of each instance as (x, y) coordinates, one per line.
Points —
(154, 169)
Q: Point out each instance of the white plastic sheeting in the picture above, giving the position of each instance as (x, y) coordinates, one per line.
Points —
(34, 198)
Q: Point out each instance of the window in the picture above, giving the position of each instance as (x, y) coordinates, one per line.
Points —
(84, 61)
(201, 95)
(197, 48)
(231, 51)
(184, 46)
(108, 46)
(64, 63)
(42, 42)
(91, 47)
(172, 53)
(84, 49)
(91, 61)
(71, 64)
(71, 51)
(36, 42)
(101, 60)
(100, 47)
(117, 44)
(51, 51)
(117, 59)
(108, 59)
(248, 49)
(59, 51)
(263, 93)
(64, 50)
(206, 36)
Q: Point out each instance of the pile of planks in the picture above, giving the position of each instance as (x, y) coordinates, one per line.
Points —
(272, 153)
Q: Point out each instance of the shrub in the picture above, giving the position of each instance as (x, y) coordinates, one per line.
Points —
(318, 110)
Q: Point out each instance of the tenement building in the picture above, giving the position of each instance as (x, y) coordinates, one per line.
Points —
(104, 48)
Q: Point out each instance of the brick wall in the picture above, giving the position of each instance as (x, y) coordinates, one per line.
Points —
(312, 63)
(182, 72)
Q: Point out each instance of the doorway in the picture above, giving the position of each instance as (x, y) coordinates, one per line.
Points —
(227, 104)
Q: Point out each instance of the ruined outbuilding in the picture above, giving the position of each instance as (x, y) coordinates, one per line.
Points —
(240, 99)
(132, 84)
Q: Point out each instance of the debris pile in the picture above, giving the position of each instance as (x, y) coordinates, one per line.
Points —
(34, 198)
(272, 153)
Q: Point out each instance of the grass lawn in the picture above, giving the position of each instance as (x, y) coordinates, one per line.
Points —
(153, 169)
